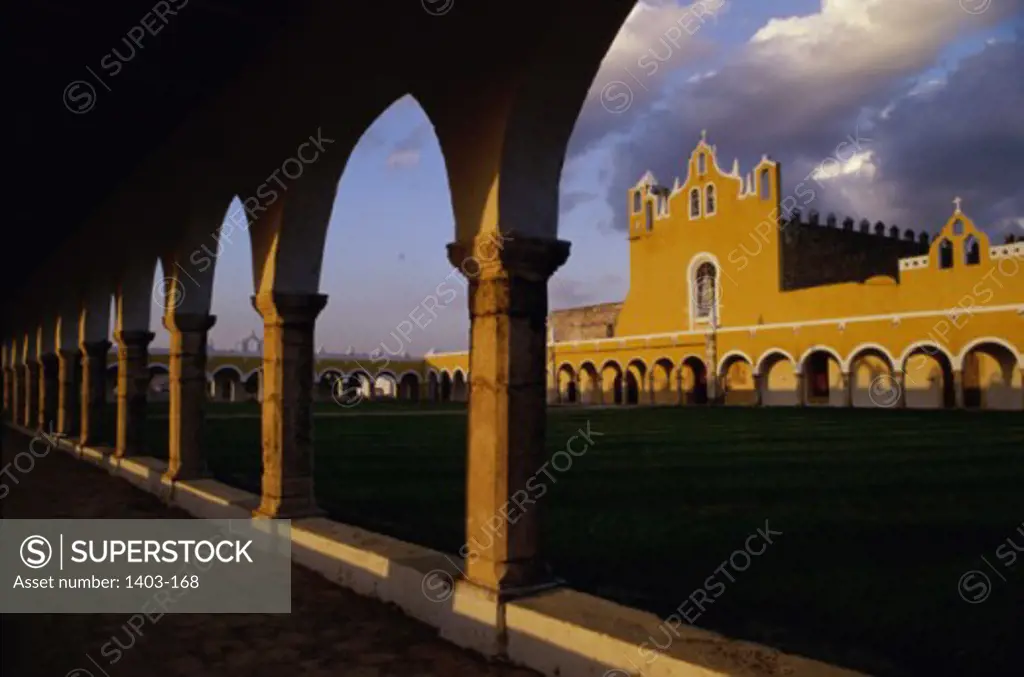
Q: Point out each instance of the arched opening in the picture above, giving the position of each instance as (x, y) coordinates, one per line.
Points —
(694, 381)
(765, 185)
(694, 203)
(326, 386)
(778, 381)
(637, 201)
(446, 387)
(823, 379)
(649, 216)
(991, 377)
(737, 378)
(702, 164)
(636, 382)
(945, 254)
(709, 200)
(611, 382)
(409, 387)
(227, 384)
(972, 251)
(566, 384)
(460, 391)
(385, 386)
(590, 387)
(872, 379)
(661, 382)
(252, 388)
(928, 379)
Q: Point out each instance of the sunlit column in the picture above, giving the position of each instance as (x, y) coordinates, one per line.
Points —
(187, 364)
(508, 304)
(132, 386)
(286, 391)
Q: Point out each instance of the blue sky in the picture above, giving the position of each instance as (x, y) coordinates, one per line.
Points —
(392, 214)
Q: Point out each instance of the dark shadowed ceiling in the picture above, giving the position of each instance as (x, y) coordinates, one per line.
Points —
(79, 124)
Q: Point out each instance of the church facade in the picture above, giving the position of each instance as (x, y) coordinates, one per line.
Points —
(731, 302)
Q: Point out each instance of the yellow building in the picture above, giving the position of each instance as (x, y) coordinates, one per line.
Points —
(730, 302)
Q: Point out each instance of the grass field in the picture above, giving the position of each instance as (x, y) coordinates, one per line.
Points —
(881, 513)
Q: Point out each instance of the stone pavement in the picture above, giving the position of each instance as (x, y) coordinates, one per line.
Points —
(330, 632)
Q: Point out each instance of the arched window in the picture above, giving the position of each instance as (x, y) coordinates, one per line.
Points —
(649, 216)
(702, 164)
(636, 202)
(972, 251)
(766, 189)
(705, 291)
(709, 200)
(694, 203)
(945, 254)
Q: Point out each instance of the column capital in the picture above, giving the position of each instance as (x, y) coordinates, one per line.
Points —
(188, 322)
(134, 337)
(529, 258)
(280, 308)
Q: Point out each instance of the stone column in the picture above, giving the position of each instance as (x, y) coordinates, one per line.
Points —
(67, 391)
(508, 307)
(958, 388)
(801, 392)
(48, 391)
(599, 390)
(847, 389)
(651, 396)
(31, 414)
(132, 386)
(758, 387)
(94, 392)
(185, 459)
(286, 391)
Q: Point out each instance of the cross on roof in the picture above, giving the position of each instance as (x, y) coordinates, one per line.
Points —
(957, 201)
(704, 135)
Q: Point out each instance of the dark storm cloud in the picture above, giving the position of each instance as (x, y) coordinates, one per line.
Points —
(806, 85)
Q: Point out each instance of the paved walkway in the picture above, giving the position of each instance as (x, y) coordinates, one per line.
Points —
(330, 632)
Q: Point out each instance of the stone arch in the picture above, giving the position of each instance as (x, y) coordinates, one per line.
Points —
(778, 378)
(227, 383)
(567, 384)
(635, 382)
(252, 385)
(662, 381)
(460, 386)
(358, 385)
(385, 386)
(736, 371)
(927, 376)
(869, 365)
(409, 387)
(611, 382)
(326, 382)
(821, 369)
(590, 384)
(693, 380)
(991, 373)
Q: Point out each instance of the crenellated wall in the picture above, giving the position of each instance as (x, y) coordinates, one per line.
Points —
(815, 252)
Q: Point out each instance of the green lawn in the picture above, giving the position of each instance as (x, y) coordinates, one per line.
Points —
(881, 513)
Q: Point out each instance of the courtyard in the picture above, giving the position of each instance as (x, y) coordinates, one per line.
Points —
(875, 517)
